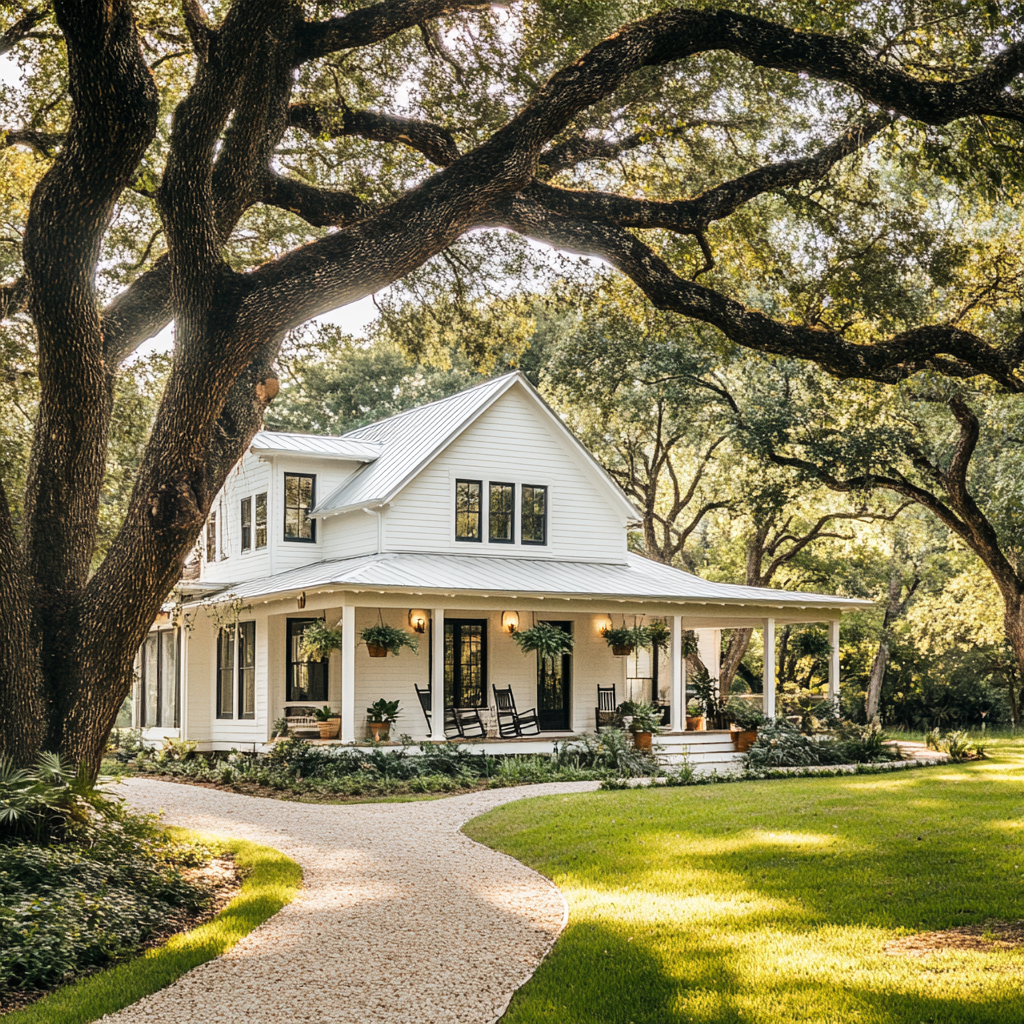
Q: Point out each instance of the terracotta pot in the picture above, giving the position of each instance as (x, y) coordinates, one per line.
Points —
(329, 730)
(695, 723)
(620, 651)
(380, 731)
(643, 741)
(377, 652)
(744, 739)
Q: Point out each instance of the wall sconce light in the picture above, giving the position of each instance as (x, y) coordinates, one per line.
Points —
(301, 600)
(603, 622)
(510, 622)
(418, 620)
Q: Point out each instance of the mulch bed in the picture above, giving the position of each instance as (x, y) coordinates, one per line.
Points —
(219, 876)
(973, 938)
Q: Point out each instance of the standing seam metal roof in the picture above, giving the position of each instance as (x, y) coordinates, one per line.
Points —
(315, 445)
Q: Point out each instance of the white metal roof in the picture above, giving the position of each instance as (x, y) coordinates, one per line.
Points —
(272, 442)
(409, 440)
(637, 577)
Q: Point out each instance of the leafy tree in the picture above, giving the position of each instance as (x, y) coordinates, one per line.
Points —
(243, 169)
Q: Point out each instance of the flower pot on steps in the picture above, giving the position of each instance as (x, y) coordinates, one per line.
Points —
(643, 741)
(743, 739)
(695, 723)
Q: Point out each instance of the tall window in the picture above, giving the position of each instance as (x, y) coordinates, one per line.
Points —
(465, 663)
(247, 670)
(535, 515)
(467, 509)
(299, 496)
(246, 524)
(226, 672)
(261, 520)
(211, 538)
(159, 663)
(500, 513)
(307, 680)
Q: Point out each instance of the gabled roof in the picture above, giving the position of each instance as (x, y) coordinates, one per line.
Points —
(637, 577)
(271, 442)
(410, 440)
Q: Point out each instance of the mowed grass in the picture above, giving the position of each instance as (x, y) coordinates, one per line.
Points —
(271, 880)
(772, 902)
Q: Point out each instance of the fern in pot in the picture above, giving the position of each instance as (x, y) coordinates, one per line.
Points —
(645, 721)
(547, 640)
(623, 641)
(318, 640)
(382, 640)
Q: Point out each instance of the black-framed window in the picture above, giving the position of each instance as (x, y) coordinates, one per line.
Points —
(159, 680)
(246, 646)
(299, 498)
(501, 519)
(261, 520)
(226, 672)
(306, 680)
(246, 522)
(211, 538)
(535, 515)
(468, 512)
(465, 663)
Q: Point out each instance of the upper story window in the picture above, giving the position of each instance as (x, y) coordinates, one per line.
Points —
(501, 513)
(299, 498)
(468, 510)
(211, 538)
(535, 515)
(246, 516)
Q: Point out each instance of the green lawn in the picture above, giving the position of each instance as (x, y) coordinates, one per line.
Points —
(771, 902)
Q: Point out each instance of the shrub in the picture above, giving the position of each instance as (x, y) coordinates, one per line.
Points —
(780, 744)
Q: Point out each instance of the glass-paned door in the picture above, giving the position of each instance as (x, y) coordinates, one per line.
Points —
(554, 687)
(465, 663)
(307, 680)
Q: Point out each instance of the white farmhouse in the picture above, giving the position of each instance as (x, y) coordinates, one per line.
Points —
(457, 521)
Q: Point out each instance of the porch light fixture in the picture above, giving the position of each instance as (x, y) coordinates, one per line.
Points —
(603, 622)
(418, 620)
(301, 600)
(510, 622)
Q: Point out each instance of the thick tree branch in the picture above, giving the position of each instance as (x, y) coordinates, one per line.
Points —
(43, 143)
(22, 28)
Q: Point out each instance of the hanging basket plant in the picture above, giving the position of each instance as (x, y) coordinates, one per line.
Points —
(318, 640)
(547, 640)
(657, 636)
(383, 640)
(624, 641)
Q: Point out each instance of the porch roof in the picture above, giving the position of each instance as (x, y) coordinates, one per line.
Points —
(637, 578)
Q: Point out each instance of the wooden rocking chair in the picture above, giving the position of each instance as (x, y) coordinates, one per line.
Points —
(510, 721)
(605, 713)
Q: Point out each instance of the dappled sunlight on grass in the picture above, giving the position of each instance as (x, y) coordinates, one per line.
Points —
(774, 902)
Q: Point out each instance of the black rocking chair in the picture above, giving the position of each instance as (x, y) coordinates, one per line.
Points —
(510, 721)
(605, 713)
(463, 722)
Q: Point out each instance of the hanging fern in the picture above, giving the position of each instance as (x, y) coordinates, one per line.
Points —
(547, 640)
(318, 640)
(390, 638)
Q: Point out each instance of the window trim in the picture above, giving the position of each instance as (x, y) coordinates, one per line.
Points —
(289, 666)
(158, 635)
(256, 545)
(311, 539)
(535, 487)
(239, 668)
(211, 536)
(245, 523)
(478, 539)
(491, 539)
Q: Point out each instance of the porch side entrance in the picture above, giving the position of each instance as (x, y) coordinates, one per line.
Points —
(554, 688)
(465, 663)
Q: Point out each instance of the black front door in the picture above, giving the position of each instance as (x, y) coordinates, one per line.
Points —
(554, 685)
(465, 663)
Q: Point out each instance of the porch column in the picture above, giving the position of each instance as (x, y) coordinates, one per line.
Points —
(678, 693)
(348, 674)
(833, 660)
(769, 668)
(437, 675)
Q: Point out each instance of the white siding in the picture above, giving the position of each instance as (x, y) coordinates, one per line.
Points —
(511, 443)
(353, 533)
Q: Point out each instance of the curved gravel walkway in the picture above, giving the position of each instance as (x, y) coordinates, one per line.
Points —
(402, 918)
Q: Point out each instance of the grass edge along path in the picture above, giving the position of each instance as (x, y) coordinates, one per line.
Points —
(271, 881)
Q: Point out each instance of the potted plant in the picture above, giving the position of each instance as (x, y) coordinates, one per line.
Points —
(645, 721)
(694, 716)
(383, 640)
(657, 636)
(382, 715)
(745, 719)
(705, 693)
(318, 640)
(624, 641)
(329, 721)
(547, 640)
(280, 729)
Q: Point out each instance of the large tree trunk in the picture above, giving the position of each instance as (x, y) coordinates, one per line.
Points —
(894, 607)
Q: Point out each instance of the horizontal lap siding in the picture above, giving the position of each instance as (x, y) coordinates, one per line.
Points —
(510, 442)
(354, 533)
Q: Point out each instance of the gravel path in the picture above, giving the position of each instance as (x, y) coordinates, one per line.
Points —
(402, 919)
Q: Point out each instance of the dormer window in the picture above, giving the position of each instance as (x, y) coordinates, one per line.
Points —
(535, 515)
(468, 510)
(299, 498)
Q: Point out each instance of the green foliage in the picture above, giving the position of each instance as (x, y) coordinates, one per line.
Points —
(780, 744)
(610, 750)
(624, 636)
(958, 744)
(325, 714)
(318, 640)
(390, 638)
(744, 714)
(646, 717)
(547, 640)
(383, 710)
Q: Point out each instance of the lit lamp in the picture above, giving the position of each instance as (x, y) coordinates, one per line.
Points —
(510, 622)
(603, 622)
(418, 620)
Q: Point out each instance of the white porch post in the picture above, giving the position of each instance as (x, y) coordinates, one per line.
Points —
(437, 675)
(833, 660)
(348, 674)
(678, 695)
(769, 668)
